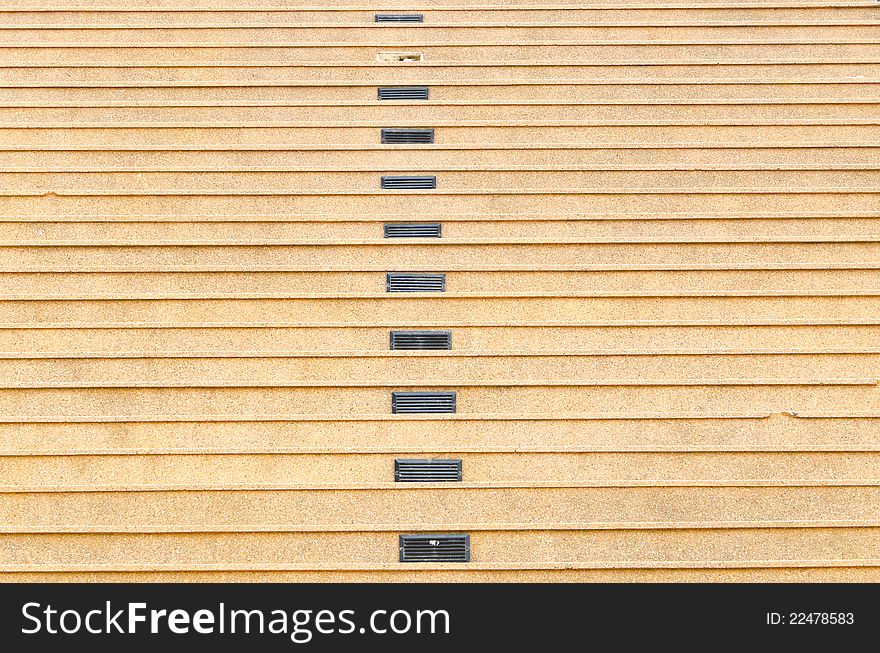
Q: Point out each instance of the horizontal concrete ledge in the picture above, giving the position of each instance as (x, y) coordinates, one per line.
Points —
(144, 240)
(444, 357)
(427, 216)
(499, 549)
(711, 69)
(409, 568)
(218, 104)
(457, 229)
(452, 72)
(105, 549)
(440, 383)
(756, 433)
(241, 25)
(443, 313)
(159, 296)
(305, 83)
(440, 16)
(864, 34)
(404, 37)
(486, 417)
(268, 123)
(443, 167)
(99, 149)
(373, 403)
(223, 7)
(811, 350)
(581, 450)
(265, 487)
(425, 450)
(449, 382)
(433, 324)
(501, 55)
(474, 91)
(738, 181)
(490, 340)
(804, 323)
(450, 371)
(517, 417)
(508, 124)
(347, 6)
(777, 575)
(482, 193)
(547, 238)
(419, 449)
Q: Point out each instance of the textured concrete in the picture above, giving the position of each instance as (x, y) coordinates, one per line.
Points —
(526, 91)
(469, 138)
(663, 282)
(440, 158)
(781, 432)
(424, 310)
(383, 256)
(492, 340)
(599, 549)
(241, 285)
(449, 573)
(428, 509)
(437, 14)
(563, 370)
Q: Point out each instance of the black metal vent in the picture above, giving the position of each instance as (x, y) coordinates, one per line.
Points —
(403, 92)
(408, 135)
(399, 57)
(400, 18)
(427, 470)
(435, 548)
(413, 230)
(415, 282)
(421, 340)
(422, 402)
(409, 183)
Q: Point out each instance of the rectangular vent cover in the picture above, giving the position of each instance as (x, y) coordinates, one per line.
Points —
(408, 183)
(435, 548)
(398, 57)
(415, 282)
(406, 135)
(421, 340)
(427, 470)
(413, 230)
(422, 402)
(403, 92)
(400, 18)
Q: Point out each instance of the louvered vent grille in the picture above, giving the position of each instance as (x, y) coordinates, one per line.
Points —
(435, 548)
(415, 282)
(437, 470)
(403, 92)
(421, 340)
(405, 135)
(422, 402)
(409, 183)
(400, 18)
(413, 230)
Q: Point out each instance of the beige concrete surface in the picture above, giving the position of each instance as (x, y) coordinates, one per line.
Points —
(660, 239)
(589, 549)
(450, 573)
(491, 340)
(779, 432)
(292, 471)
